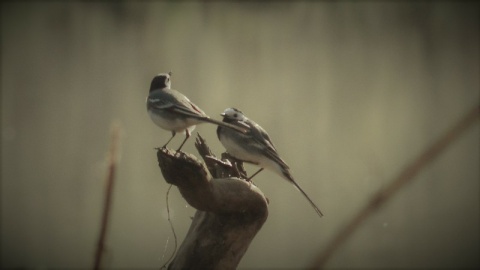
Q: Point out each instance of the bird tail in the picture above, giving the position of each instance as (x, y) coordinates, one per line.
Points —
(288, 176)
(227, 125)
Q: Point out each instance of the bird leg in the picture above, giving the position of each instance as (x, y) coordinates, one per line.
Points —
(187, 135)
(250, 178)
(173, 135)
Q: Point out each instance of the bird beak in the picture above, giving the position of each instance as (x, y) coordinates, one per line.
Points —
(222, 114)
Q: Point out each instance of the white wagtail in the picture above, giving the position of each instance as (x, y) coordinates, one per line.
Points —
(254, 147)
(173, 111)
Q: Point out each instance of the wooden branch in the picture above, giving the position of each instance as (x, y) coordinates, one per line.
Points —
(230, 210)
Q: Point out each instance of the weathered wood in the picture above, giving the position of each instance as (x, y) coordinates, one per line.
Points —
(230, 210)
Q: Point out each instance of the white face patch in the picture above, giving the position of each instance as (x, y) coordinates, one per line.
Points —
(234, 114)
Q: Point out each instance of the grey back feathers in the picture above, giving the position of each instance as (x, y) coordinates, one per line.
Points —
(173, 111)
(256, 147)
(243, 138)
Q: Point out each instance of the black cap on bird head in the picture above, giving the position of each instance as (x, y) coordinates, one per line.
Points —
(161, 81)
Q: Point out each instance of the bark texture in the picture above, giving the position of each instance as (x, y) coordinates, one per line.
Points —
(230, 210)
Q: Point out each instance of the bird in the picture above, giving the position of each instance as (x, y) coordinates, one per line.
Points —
(173, 111)
(255, 147)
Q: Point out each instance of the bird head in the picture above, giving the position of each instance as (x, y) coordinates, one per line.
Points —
(233, 114)
(161, 81)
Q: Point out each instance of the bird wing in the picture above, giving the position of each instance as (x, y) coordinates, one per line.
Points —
(173, 100)
(262, 138)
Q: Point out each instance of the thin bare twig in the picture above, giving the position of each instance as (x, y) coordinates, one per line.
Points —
(405, 177)
(112, 164)
(164, 266)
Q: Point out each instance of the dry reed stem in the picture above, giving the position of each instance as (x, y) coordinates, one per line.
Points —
(112, 164)
(405, 177)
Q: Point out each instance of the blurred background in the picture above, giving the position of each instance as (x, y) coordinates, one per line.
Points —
(349, 92)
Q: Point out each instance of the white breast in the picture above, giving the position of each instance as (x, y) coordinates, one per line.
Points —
(175, 124)
(236, 150)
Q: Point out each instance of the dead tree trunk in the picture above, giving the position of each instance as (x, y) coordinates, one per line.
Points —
(230, 210)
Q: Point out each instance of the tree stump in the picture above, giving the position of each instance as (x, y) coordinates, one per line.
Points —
(230, 211)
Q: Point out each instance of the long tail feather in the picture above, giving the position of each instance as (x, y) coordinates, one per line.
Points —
(227, 125)
(290, 178)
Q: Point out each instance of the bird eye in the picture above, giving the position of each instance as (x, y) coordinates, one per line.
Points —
(235, 115)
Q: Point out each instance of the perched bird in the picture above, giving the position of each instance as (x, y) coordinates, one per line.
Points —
(254, 147)
(173, 111)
